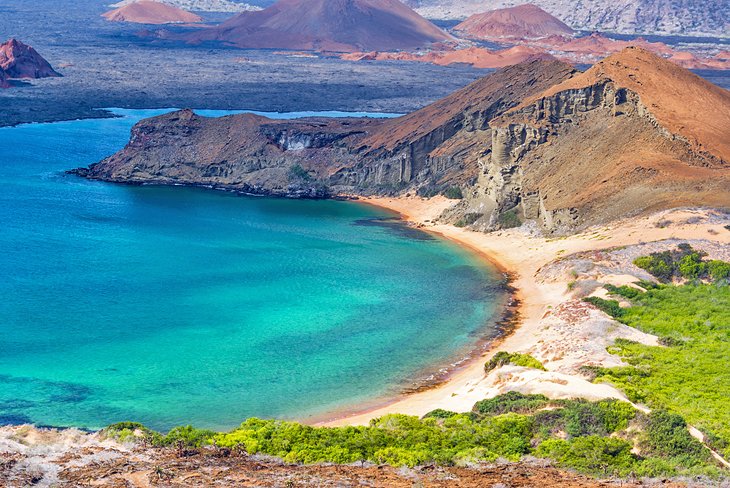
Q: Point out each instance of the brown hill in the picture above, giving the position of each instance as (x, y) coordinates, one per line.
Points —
(633, 133)
(521, 22)
(18, 60)
(151, 12)
(536, 141)
(327, 25)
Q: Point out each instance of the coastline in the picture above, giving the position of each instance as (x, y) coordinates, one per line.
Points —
(523, 256)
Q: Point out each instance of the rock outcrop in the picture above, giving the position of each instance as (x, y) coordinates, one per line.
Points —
(522, 22)
(532, 142)
(18, 60)
(326, 25)
(151, 12)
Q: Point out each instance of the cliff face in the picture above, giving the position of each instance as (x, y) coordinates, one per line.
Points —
(533, 142)
(245, 153)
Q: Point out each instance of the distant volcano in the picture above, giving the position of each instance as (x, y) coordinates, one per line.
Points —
(521, 22)
(151, 12)
(327, 25)
(18, 60)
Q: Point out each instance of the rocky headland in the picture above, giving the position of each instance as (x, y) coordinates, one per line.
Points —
(514, 143)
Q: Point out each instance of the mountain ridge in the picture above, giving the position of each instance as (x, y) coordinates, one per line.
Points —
(513, 142)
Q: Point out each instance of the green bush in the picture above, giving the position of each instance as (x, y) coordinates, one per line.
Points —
(509, 219)
(503, 358)
(684, 262)
(511, 402)
(667, 436)
(468, 219)
(610, 307)
(297, 173)
(440, 413)
(624, 291)
(454, 193)
(599, 456)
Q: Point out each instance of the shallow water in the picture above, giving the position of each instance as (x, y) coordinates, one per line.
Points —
(175, 305)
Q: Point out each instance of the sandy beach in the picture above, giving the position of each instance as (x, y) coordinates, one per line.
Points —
(554, 325)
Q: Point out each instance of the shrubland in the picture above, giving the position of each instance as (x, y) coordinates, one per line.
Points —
(689, 374)
(604, 438)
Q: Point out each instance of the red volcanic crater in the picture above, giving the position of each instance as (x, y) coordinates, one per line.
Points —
(18, 60)
(522, 22)
(327, 25)
(151, 12)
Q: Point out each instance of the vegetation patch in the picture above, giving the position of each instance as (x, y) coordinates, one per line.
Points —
(684, 263)
(509, 219)
(454, 193)
(690, 374)
(297, 173)
(595, 438)
(503, 358)
(468, 219)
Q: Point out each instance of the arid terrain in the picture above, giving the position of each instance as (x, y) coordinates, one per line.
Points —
(106, 64)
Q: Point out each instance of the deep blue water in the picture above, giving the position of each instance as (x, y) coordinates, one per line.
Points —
(174, 305)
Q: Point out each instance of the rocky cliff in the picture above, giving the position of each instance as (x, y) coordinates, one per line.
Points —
(532, 142)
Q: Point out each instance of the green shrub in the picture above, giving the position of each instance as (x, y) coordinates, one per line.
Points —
(440, 413)
(684, 262)
(511, 402)
(297, 173)
(624, 291)
(186, 436)
(503, 358)
(667, 436)
(600, 456)
(454, 193)
(610, 307)
(468, 219)
(509, 219)
(718, 270)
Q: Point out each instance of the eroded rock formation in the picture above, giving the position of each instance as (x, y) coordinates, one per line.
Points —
(536, 141)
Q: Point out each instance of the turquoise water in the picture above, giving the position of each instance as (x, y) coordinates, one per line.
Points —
(175, 305)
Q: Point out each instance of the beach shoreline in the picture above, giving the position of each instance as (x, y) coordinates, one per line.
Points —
(522, 255)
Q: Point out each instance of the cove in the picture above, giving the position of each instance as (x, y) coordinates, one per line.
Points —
(175, 306)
